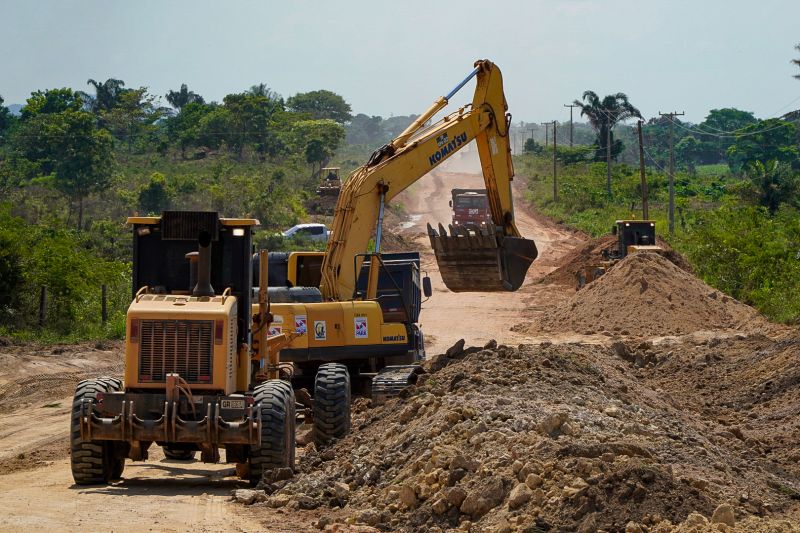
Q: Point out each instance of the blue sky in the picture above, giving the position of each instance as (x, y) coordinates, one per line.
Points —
(397, 57)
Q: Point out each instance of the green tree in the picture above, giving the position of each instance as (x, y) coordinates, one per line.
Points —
(106, 94)
(184, 129)
(182, 97)
(156, 196)
(67, 147)
(774, 183)
(603, 115)
(317, 139)
(133, 115)
(689, 150)
(797, 61)
(532, 147)
(365, 130)
(321, 104)
(717, 132)
(6, 120)
(771, 139)
(51, 101)
(11, 274)
(250, 120)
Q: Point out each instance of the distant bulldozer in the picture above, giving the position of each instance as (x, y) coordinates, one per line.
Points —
(633, 236)
(327, 192)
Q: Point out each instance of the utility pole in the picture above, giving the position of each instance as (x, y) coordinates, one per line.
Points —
(555, 180)
(570, 106)
(608, 159)
(546, 131)
(671, 117)
(645, 211)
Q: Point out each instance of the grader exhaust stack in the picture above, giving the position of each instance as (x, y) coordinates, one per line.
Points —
(470, 260)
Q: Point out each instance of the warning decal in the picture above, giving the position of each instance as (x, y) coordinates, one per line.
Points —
(362, 331)
(300, 324)
(320, 330)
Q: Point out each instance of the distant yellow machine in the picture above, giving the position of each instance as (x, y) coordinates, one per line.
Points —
(633, 236)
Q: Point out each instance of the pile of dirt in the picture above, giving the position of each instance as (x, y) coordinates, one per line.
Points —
(647, 295)
(591, 254)
(538, 438)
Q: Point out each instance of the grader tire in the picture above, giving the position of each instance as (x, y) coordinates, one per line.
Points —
(92, 462)
(275, 399)
(331, 403)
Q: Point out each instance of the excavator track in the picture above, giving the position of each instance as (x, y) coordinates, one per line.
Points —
(392, 380)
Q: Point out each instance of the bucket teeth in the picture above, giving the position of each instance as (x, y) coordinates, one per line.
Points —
(471, 259)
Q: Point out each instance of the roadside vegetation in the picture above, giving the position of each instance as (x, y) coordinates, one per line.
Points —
(737, 198)
(74, 164)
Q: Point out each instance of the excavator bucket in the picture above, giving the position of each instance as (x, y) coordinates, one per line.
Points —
(470, 260)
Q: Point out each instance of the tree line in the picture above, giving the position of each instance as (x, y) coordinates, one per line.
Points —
(68, 139)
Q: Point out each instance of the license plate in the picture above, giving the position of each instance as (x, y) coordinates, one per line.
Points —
(233, 404)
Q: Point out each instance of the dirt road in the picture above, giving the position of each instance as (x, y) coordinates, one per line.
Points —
(479, 317)
(36, 384)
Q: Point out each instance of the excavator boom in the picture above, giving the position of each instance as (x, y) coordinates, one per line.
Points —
(468, 259)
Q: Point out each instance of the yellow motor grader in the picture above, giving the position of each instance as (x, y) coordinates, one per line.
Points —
(189, 359)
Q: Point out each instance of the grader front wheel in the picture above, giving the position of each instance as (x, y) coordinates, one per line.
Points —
(92, 462)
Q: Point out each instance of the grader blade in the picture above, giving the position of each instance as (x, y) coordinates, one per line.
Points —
(471, 260)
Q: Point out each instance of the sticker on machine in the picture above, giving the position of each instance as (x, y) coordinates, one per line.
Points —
(300, 324)
(277, 319)
(275, 330)
(362, 332)
(320, 330)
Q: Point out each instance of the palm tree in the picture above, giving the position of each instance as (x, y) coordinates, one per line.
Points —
(178, 99)
(106, 95)
(603, 115)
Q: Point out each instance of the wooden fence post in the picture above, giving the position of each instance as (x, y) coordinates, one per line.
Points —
(42, 306)
(104, 308)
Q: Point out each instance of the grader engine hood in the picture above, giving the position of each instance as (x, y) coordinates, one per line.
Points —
(194, 337)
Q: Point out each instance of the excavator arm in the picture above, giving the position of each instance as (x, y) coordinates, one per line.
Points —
(468, 260)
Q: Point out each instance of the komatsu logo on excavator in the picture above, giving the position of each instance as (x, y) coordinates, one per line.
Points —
(445, 147)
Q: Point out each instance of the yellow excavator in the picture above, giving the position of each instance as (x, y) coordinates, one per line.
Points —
(358, 308)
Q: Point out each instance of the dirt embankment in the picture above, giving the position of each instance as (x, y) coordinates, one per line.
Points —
(646, 295)
(590, 253)
(568, 438)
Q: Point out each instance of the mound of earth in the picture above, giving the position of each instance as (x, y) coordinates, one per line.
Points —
(547, 438)
(646, 295)
(591, 254)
